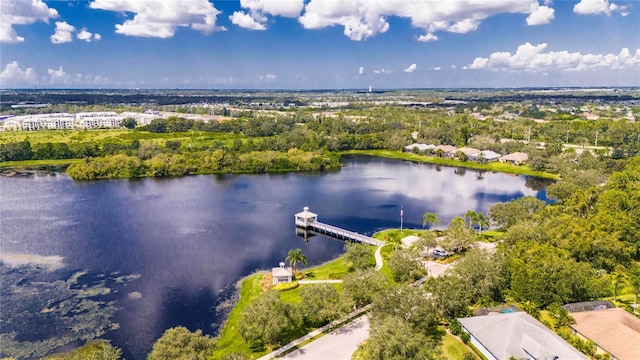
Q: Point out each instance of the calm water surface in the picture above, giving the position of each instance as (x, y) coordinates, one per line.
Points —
(189, 238)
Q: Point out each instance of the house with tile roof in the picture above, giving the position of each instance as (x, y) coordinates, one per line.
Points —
(614, 331)
(516, 158)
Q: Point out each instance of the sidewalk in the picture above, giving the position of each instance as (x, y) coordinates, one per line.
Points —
(313, 334)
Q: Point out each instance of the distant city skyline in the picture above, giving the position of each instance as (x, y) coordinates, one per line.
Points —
(318, 44)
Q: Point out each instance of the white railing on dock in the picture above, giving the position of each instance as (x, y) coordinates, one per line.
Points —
(342, 233)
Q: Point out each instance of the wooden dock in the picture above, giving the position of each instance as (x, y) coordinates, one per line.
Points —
(308, 221)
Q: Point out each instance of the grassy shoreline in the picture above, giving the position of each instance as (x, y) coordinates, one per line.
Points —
(53, 165)
(424, 159)
(250, 289)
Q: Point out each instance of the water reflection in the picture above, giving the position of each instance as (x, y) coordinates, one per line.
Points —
(190, 238)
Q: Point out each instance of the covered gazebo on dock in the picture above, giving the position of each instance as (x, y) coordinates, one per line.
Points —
(305, 218)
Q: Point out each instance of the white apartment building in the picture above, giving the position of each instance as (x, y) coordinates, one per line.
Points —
(98, 120)
(84, 120)
(142, 118)
(56, 121)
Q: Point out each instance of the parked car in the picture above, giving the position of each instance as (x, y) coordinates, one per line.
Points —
(440, 252)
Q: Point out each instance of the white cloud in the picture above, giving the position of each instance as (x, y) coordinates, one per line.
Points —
(437, 68)
(540, 16)
(531, 58)
(284, 8)
(454, 67)
(361, 70)
(246, 21)
(21, 13)
(13, 75)
(427, 37)
(590, 7)
(268, 77)
(383, 71)
(63, 33)
(259, 10)
(411, 68)
(160, 19)
(60, 78)
(362, 19)
(88, 36)
(57, 77)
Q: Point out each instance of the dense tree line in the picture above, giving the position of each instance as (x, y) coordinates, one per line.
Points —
(201, 162)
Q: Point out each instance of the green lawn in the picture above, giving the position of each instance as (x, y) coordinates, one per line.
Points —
(332, 270)
(38, 163)
(230, 339)
(112, 136)
(491, 235)
(493, 166)
(452, 348)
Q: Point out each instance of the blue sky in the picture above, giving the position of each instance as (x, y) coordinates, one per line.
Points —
(311, 44)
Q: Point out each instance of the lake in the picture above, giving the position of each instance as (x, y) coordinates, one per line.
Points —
(130, 258)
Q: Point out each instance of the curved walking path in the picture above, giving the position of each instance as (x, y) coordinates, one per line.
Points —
(378, 256)
(313, 334)
(304, 282)
(301, 353)
(339, 344)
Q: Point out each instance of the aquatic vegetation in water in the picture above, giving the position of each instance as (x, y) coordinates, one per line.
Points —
(41, 312)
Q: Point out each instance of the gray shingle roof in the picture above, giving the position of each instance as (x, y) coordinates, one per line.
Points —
(519, 335)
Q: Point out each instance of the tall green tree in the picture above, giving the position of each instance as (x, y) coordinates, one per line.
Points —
(394, 339)
(617, 280)
(545, 275)
(633, 278)
(509, 213)
(361, 286)
(295, 256)
(409, 303)
(472, 217)
(321, 304)
(179, 343)
(426, 242)
(430, 218)
(458, 236)
(93, 350)
(267, 321)
(405, 267)
(359, 255)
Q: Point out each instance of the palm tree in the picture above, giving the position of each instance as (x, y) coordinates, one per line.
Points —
(472, 216)
(634, 281)
(617, 279)
(294, 257)
(483, 221)
(431, 219)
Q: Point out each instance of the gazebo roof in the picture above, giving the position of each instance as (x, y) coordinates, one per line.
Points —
(281, 272)
(306, 214)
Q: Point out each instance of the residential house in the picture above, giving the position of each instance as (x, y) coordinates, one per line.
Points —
(485, 156)
(447, 150)
(516, 158)
(467, 151)
(613, 330)
(516, 335)
(419, 147)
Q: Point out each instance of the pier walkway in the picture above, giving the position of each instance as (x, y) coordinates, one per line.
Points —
(309, 221)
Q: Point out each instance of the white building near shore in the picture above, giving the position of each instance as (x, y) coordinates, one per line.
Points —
(56, 121)
(83, 120)
(98, 120)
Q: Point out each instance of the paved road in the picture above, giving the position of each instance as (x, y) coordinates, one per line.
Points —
(339, 344)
